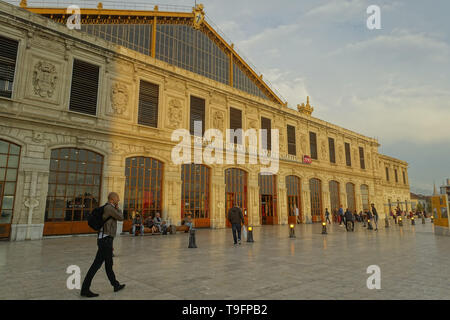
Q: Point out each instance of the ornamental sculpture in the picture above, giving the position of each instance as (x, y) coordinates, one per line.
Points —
(44, 79)
(175, 113)
(305, 109)
(119, 98)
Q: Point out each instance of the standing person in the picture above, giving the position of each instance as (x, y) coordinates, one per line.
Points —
(327, 216)
(375, 216)
(341, 214)
(235, 217)
(297, 214)
(111, 214)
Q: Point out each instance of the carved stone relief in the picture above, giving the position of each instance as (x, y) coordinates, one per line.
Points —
(119, 98)
(175, 113)
(44, 79)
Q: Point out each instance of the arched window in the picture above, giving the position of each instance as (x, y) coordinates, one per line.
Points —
(293, 191)
(334, 198)
(9, 167)
(365, 197)
(195, 179)
(73, 185)
(236, 189)
(315, 187)
(351, 201)
(143, 187)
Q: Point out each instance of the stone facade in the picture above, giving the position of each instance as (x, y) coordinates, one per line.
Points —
(38, 119)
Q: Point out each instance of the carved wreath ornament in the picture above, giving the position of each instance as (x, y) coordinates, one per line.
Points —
(119, 98)
(44, 79)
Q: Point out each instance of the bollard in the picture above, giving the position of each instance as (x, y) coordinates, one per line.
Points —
(423, 219)
(400, 222)
(386, 223)
(324, 228)
(369, 225)
(192, 239)
(413, 222)
(291, 231)
(432, 219)
(250, 234)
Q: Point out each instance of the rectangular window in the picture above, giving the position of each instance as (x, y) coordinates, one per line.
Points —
(292, 149)
(266, 124)
(387, 173)
(404, 177)
(313, 145)
(197, 113)
(396, 176)
(236, 123)
(348, 156)
(332, 151)
(8, 55)
(361, 158)
(148, 104)
(84, 89)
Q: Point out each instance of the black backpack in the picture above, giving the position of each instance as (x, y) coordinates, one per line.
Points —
(95, 219)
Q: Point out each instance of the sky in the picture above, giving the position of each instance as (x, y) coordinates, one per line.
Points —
(392, 84)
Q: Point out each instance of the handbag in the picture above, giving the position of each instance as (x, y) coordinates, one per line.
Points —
(244, 232)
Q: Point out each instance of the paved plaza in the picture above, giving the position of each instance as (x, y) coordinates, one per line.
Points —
(414, 265)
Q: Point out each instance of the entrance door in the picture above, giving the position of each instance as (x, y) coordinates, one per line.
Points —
(268, 212)
(4, 227)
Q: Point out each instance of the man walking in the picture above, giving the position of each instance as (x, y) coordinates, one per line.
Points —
(327, 216)
(235, 217)
(375, 216)
(111, 214)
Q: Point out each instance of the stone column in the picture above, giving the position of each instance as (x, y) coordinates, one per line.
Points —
(306, 203)
(282, 201)
(217, 202)
(253, 200)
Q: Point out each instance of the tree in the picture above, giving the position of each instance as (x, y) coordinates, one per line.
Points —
(419, 207)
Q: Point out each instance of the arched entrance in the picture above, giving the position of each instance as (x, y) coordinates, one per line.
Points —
(143, 188)
(315, 187)
(195, 181)
(351, 199)
(236, 192)
(73, 190)
(334, 199)
(268, 198)
(9, 167)
(293, 191)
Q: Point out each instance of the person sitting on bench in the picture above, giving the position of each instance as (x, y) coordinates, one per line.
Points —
(157, 223)
(137, 223)
(188, 220)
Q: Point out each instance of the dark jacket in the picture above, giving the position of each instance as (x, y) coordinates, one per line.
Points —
(374, 211)
(348, 216)
(235, 216)
(110, 226)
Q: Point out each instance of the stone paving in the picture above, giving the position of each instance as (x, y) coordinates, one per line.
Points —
(414, 265)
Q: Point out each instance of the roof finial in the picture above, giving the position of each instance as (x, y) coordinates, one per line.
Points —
(100, 6)
(23, 3)
(435, 193)
(306, 109)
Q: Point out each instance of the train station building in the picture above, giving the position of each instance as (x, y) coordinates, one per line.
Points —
(87, 111)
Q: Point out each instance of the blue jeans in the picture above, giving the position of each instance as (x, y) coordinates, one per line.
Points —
(134, 229)
(236, 228)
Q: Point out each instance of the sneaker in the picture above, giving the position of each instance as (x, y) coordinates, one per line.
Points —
(88, 294)
(239, 241)
(119, 287)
